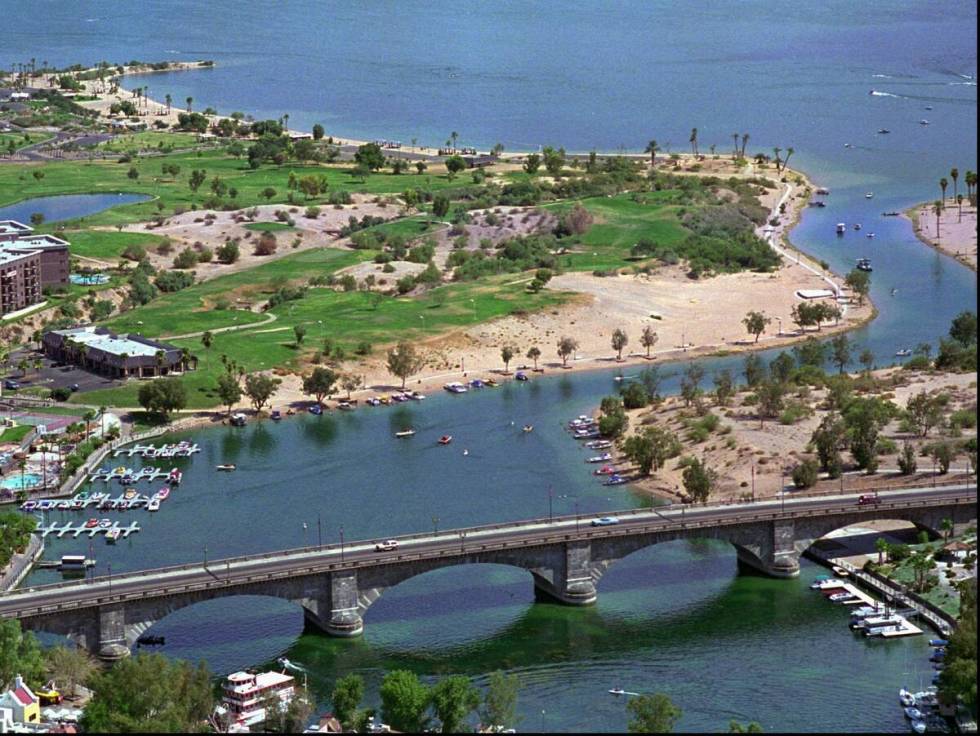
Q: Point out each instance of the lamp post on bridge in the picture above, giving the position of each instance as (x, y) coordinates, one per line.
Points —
(551, 496)
(306, 542)
(110, 578)
(205, 557)
(319, 533)
(462, 541)
(576, 516)
(753, 480)
(341, 542)
(435, 525)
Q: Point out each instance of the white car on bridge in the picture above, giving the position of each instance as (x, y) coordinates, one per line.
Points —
(386, 546)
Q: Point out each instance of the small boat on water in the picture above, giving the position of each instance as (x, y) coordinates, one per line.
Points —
(520, 376)
(842, 597)
(906, 698)
(491, 383)
(841, 228)
(869, 195)
(476, 383)
(923, 122)
(863, 264)
(615, 480)
(840, 571)
(599, 444)
(28, 506)
(599, 458)
(604, 470)
(445, 439)
(938, 642)
(153, 505)
(890, 214)
(903, 353)
(238, 420)
(912, 712)
(455, 387)
(225, 467)
(883, 131)
(112, 535)
(276, 415)
(857, 225)
(405, 433)
(870, 235)
(162, 494)
(105, 523)
(918, 725)
(527, 428)
(316, 410)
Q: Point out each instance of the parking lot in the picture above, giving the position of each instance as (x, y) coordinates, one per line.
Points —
(54, 376)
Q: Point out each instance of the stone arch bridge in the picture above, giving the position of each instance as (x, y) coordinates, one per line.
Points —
(566, 557)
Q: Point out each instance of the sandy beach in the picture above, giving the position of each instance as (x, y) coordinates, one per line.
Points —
(957, 229)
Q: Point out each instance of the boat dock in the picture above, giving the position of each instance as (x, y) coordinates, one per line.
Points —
(131, 476)
(179, 450)
(60, 530)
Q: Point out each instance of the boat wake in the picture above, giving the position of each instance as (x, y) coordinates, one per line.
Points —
(286, 664)
(876, 93)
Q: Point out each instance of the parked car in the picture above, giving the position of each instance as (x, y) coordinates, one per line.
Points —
(386, 546)
(73, 387)
(605, 521)
(11, 384)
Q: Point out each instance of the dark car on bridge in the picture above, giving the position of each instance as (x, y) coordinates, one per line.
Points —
(869, 499)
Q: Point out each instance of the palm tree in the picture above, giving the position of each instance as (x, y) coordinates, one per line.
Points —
(938, 209)
(777, 150)
(455, 136)
(159, 355)
(942, 185)
(102, 411)
(959, 206)
(971, 186)
(881, 544)
(652, 148)
(693, 140)
(168, 98)
(206, 340)
(954, 174)
(745, 140)
(735, 150)
(946, 527)
(789, 152)
(190, 101)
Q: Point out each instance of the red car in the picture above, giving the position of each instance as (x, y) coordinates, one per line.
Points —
(868, 500)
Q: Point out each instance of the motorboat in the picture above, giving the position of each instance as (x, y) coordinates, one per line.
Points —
(615, 480)
(28, 506)
(405, 433)
(599, 444)
(162, 494)
(840, 571)
(91, 523)
(112, 535)
(883, 131)
(276, 415)
(345, 406)
(863, 264)
(841, 597)
(491, 383)
(520, 376)
(906, 698)
(477, 383)
(455, 387)
(316, 410)
(870, 235)
(890, 214)
(918, 725)
(938, 642)
(826, 584)
(373, 401)
(527, 428)
(869, 195)
(923, 122)
(857, 225)
(225, 467)
(153, 505)
(238, 420)
(589, 434)
(913, 712)
(445, 439)
(903, 353)
(841, 228)
(599, 458)
(105, 523)
(46, 504)
(604, 470)
(822, 190)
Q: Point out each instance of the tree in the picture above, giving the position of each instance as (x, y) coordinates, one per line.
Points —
(317, 132)
(440, 205)
(350, 382)
(942, 454)
(828, 439)
(924, 412)
(755, 323)
(260, 388)
(770, 395)
(532, 163)
(724, 386)
(320, 383)
(907, 463)
(937, 209)
(864, 418)
(499, 709)
(190, 101)
(942, 186)
(654, 713)
(453, 698)
(347, 694)
(454, 164)
(964, 328)
(149, 693)
(404, 361)
(693, 140)
(554, 160)
(652, 148)
(299, 331)
(370, 156)
(859, 282)
(946, 527)
(268, 193)
(619, 341)
(650, 448)
(229, 392)
(403, 701)
(533, 353)
(691, 390)
(69, 667)
(698, 480)
(507, 354)
(867, 358)
(648, 338)
(841, 352)
(753, 370)
(19, 655)
(163, 396)
(566, 347)
(197, 178)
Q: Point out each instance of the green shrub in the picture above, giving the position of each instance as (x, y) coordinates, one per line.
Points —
(805, 474)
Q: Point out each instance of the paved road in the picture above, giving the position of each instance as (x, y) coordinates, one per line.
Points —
(456, 542)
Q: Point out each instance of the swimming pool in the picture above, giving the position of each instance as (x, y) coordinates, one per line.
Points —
(17, 482)
(94, 280)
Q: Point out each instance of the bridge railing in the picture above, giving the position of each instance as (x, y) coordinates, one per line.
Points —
(549, 536)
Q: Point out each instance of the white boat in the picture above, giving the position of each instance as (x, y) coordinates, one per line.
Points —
(918, 725)
(903, 353)
(906, 698)
(869, 195)
(826, 584)
(455, 387)
(913, 712)
(246, 695)
(112, 535)
(153, 505)
(923, 122)
(841, 597)
(841, 228)
(226, 467)
(600, 458)
(405, 433)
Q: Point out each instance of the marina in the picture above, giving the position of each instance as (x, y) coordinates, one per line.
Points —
(75, 530)
(180, 449)
(127, 475)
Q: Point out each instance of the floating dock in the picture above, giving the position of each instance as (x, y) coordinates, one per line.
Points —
(178, 450)
(131, 476)
(60, 530)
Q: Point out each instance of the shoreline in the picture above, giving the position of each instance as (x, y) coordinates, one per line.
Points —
(961, 250)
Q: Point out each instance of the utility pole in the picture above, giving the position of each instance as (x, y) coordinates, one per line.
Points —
(319, 533)
(341, 542)
(551, 494)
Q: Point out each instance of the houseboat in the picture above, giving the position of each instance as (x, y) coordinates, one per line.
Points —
(245, 694)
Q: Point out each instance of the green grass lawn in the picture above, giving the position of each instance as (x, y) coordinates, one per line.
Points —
(15, 434)
(619, 223)
(17, 183)
(347, 318)
(106, 244)
(150, 140)
(272, 227)
(21, 139)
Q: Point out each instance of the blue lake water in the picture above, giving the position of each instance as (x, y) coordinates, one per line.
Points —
(676, 617)
(67, 206)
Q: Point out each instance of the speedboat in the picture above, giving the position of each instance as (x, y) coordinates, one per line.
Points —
(857, 225)
(405, 433)
(923, 122)
(226, 466)
(826, 584)
(598, 444)
(600, 458)
(46, 504)
(863, 264)
(912, 712)
(316, 410)
(869, 195)
(615, 480)
(445, 439)
(883, 131)
(153, 505)
(162, 494)
(91, 523)
(604, 470)
(476, 383)
(28, 506)
(105, 523)
(455, 387)
(112, 535)
(906, 698)
(870, 235)
(841, 228)
(840, 571)
(938, 642)
(276, 415)
(491, 383)
(903, 353)
(617, 691)
(528, 428)
(918, 725)
(841, 597)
